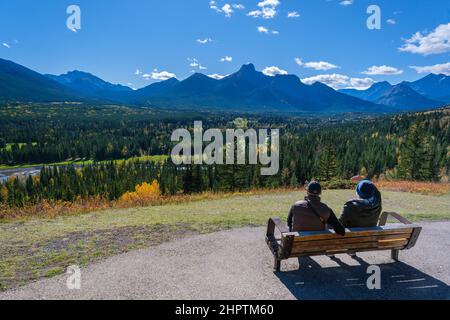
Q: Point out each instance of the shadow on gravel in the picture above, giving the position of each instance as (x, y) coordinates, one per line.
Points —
(398, 281)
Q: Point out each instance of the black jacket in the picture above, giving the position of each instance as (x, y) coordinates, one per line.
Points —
(361, 213)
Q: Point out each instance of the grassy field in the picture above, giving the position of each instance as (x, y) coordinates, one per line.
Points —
(37, 248)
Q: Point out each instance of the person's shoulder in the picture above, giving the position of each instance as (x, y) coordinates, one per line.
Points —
(352, 203)
(300, 203)
(325, 206)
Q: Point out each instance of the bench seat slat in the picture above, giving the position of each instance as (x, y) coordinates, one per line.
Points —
(357, 232)
(353, 246)
(347, 240)
(321, 253)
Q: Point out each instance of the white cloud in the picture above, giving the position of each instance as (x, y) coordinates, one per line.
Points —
(346, 3)
(268, 9)
(320, 65)
(273, 71)
(6, 45)
(269, 3)
(443, 68)
(226, 59)
(340, 81)
(316, 65)
(160, 75)
(266, 13)
(435, 42)
(213, 6)
(361, 83)
(226, 9)
(391, 21)
(204, 41)
(216, 76)
(262, 29)
(293, 14)
(194, 63)
(238, 6)
(336, 81)
(382, 70)
(138, 72)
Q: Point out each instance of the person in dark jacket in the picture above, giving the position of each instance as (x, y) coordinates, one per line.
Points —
(311, 214)
(365, 210)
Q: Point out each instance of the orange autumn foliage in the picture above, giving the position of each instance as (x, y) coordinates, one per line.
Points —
(145, 194)
(431, 188)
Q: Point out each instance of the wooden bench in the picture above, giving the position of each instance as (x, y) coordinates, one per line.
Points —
(394, 237)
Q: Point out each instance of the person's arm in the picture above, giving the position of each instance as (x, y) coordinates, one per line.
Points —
(343, 219)
(289, 219)
(378, 195)
(334, 222)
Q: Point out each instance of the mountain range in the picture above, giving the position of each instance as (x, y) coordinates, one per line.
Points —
(428, 92)
(91, 87)
(245, 90)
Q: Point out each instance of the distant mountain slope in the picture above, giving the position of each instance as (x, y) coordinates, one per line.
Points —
(433, 86)
(250, 90)
(400, 96)
(91, 86)
(403, 97)
(375, 92)
(18, 83)
(154, 89)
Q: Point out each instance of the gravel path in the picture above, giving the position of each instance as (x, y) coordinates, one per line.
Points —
(237, 264)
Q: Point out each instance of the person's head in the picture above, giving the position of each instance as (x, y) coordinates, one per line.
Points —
(365, 189)
(313, 188)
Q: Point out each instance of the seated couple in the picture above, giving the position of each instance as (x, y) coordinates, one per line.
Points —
(313, 215)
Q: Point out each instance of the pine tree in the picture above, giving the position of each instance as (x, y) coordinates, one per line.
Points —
(294, 181)
(416, 160)
(327, 163)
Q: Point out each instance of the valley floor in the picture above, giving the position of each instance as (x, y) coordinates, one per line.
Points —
(37, 248)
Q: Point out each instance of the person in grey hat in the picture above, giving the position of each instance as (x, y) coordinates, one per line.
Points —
(311, 214)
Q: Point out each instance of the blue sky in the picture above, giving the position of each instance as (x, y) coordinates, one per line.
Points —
(325, 40)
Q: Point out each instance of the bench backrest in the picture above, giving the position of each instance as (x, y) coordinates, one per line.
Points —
(310, 243)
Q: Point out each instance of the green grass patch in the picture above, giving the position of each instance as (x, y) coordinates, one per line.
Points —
(37, 248)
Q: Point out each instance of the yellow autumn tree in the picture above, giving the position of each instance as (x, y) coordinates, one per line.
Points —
(144, 194)
(3, 194)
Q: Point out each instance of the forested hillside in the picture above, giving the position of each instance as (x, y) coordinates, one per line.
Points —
(408, 146)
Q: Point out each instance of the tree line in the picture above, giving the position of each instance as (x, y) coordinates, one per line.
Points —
(408, 146)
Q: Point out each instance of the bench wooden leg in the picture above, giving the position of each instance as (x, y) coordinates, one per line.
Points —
(277, 265)
(394, 254)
